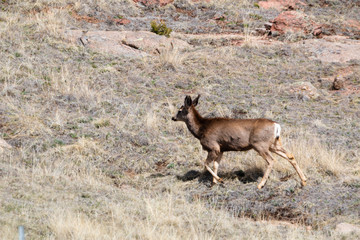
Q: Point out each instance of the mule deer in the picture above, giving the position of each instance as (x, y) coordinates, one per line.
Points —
(219, 135)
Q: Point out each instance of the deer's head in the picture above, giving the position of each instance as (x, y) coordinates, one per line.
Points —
(183, 113)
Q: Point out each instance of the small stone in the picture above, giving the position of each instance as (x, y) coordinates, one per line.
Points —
(261, 31)
(275, 33)
(268, 25)
(303, 97)
(317, 31)
(219, 17)
(338, 83)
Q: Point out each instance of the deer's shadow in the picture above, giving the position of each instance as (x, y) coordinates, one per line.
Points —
(247, 176)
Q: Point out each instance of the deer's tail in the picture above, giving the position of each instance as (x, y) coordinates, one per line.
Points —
(277, 131)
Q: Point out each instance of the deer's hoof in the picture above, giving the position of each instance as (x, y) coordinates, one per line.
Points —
(290, 156)
(220, 180)
(260, 186)
(303, 183)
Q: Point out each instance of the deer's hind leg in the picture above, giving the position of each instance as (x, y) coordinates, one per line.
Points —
(280, 150)
(270, 160)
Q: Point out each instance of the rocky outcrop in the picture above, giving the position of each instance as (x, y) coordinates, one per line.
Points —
(293, 21)
(282, 4)
(127, 43)
(326, 51)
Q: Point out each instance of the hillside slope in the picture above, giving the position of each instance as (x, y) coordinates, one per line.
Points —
(95, 154)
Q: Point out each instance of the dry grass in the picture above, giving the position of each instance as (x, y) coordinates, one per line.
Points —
(314, 155)
(89, 132)
(135, 216)
(171, 57)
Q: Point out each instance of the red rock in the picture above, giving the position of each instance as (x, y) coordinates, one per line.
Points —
(289, 20)
(295, 22)
(161, 3)
(281, 4)
(317, 31)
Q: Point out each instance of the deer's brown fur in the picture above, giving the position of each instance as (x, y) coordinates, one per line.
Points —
(219, 135)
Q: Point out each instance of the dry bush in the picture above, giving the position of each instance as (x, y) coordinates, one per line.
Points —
(171, 57)
(313, 155)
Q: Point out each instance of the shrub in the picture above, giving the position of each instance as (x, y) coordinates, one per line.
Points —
(160, 28)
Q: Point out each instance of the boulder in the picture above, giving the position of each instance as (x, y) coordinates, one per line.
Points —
(294, 21)
(151, 42)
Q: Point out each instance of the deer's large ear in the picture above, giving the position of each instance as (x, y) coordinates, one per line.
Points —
(196, 101)
(188, 101)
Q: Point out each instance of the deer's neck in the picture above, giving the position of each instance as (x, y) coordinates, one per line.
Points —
(194, 122)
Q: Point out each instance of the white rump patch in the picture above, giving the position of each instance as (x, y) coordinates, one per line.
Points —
(277, 130)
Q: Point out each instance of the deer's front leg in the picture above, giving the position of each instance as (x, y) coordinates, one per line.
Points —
(216, 165)
(213, 156)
